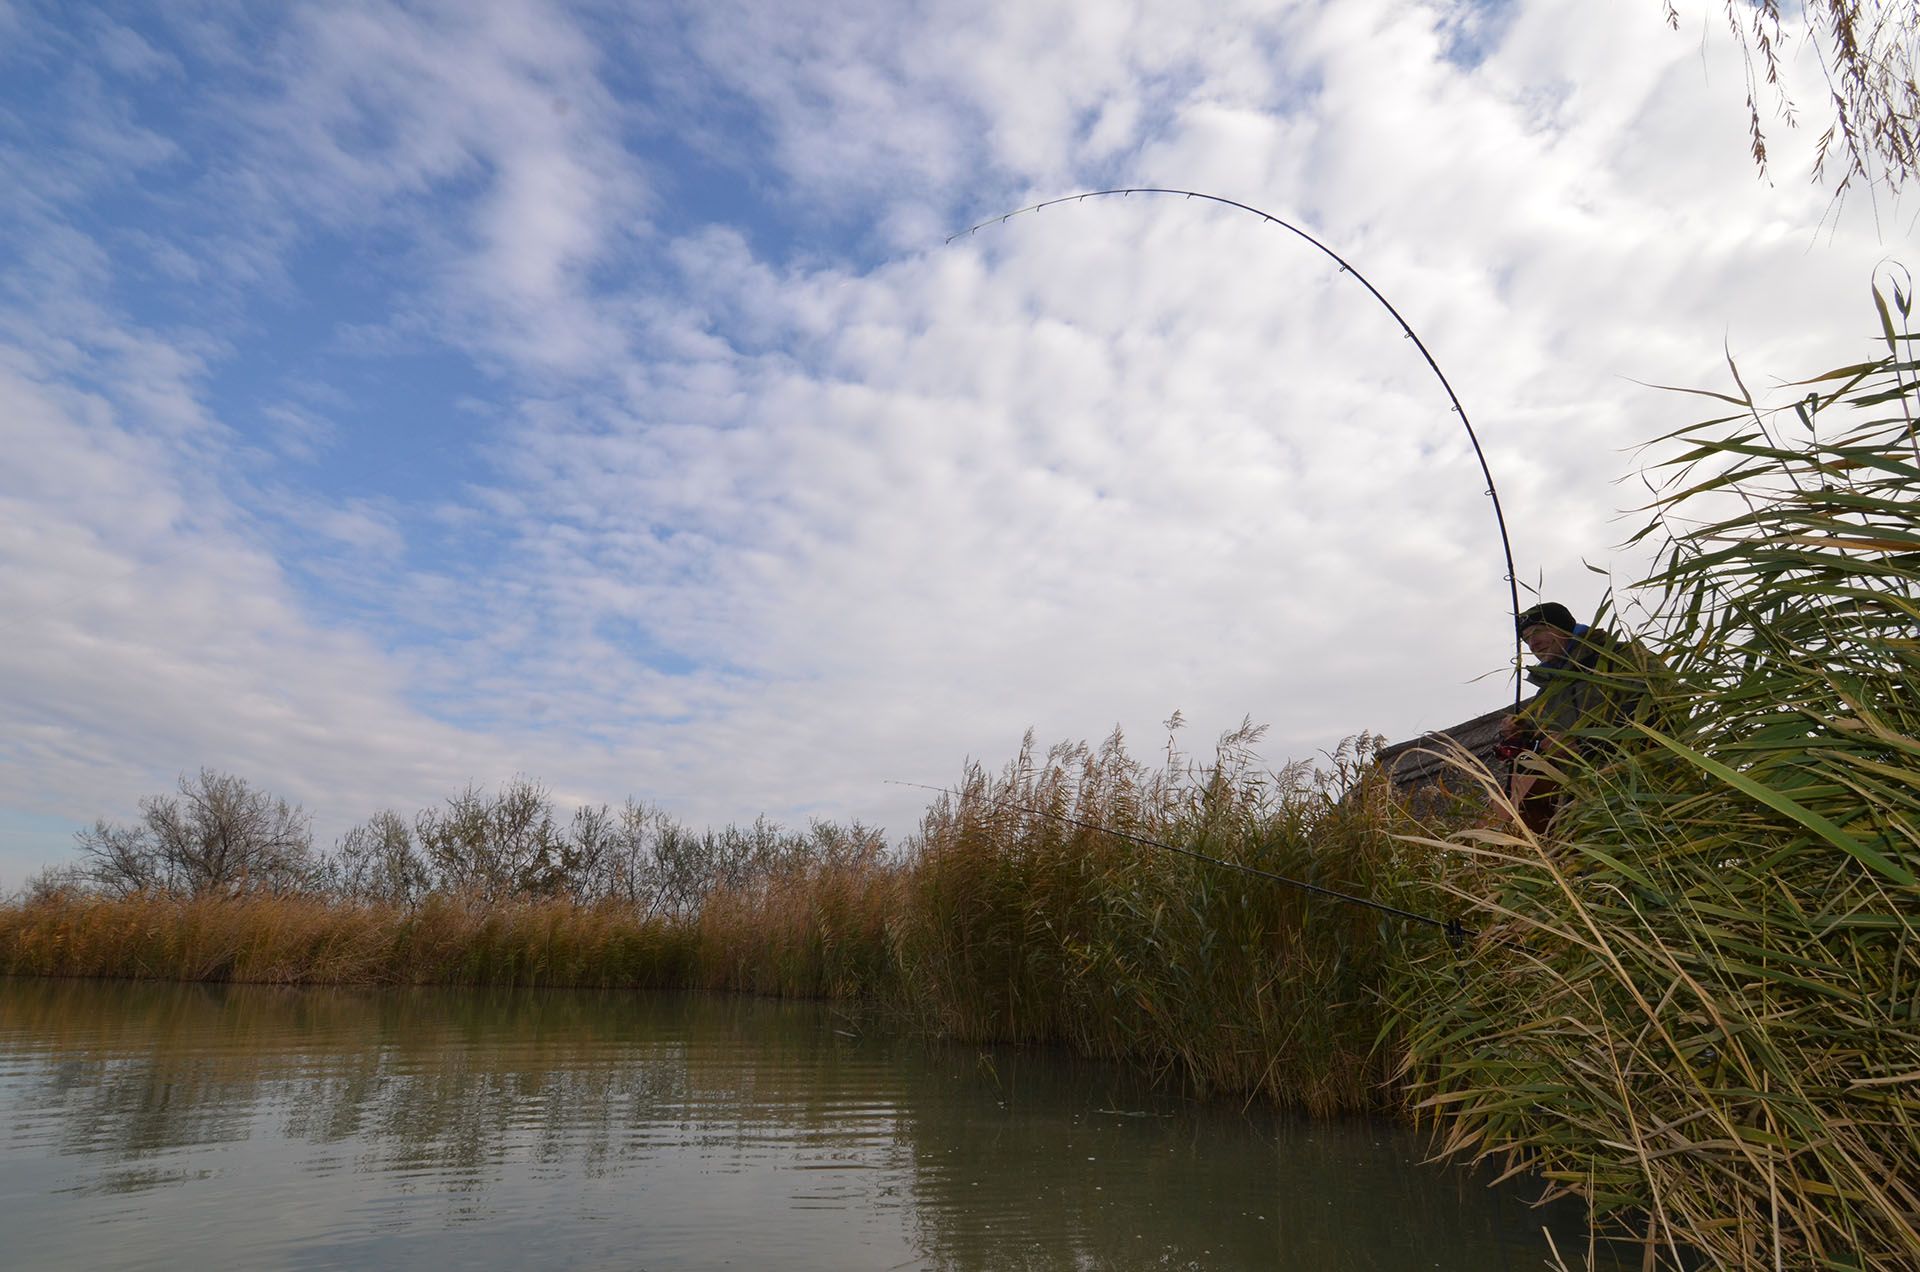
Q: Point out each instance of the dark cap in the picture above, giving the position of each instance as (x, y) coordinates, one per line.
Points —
(1552, 613)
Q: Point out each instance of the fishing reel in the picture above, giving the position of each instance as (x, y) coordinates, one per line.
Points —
(1514, 745)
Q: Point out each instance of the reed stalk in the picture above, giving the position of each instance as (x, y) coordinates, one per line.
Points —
(1708, 1025)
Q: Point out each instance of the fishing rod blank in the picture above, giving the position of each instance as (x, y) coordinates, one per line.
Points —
(1500, 519)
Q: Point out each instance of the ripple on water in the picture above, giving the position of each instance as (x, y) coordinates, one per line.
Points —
(245, 1127)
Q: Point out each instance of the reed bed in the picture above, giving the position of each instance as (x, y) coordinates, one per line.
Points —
(820, 932)
(1709, 1021)
(998, 923)
(1015, 925)
(310, 940)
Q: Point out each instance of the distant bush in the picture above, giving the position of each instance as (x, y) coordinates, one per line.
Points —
(221, 837)
(510, 845)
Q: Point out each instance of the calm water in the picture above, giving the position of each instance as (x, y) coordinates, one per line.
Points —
(243, 1127)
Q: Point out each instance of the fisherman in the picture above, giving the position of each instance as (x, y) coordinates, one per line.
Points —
(1593, 687)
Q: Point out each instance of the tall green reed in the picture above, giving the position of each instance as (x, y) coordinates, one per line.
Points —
(1712, 1025)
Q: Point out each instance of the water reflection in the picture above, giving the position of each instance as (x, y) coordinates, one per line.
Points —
(257, 1127)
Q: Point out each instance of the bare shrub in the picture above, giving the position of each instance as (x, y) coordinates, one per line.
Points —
(222, 836)
(635, 857)
(377, 861)
(53, 883)
(493, 847)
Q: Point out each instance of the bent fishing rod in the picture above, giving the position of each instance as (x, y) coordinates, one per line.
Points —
(1456, 931)
(1499, 516)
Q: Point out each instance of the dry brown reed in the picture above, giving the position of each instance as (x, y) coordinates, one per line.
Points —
(999, 924)
(306, 940)
(1017, 926)
(803, 933)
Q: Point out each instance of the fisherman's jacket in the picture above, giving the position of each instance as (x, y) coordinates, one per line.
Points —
(1591, 697)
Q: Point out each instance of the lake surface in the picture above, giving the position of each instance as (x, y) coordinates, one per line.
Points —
(151, 1125)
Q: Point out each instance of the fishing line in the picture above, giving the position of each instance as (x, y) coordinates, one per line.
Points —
(1499, 516)
(1455, 930)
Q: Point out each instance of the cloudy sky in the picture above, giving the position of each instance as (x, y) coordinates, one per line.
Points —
(397, 396)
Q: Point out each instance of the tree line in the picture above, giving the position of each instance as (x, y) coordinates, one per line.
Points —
(221, 836)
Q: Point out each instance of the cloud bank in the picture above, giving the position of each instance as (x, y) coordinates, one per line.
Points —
(409, 395)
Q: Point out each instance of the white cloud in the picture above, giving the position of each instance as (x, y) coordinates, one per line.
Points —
(1243, 407)
(127, 52)
(765, 529)
(149, 637)
(380, 111)
(958, 101)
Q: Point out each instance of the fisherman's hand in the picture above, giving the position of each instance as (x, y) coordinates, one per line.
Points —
(1516, 737)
